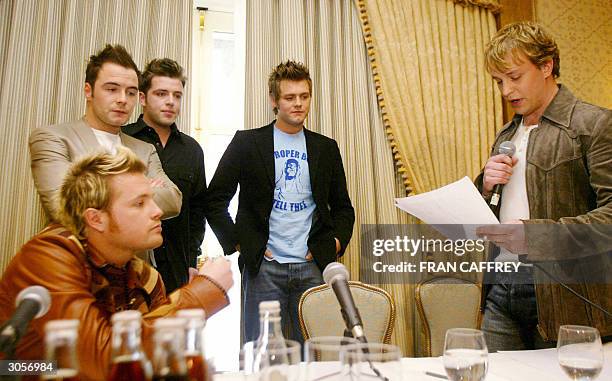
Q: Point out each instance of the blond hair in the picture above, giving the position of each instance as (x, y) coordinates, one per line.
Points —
(287, 71)
(519, 39)
(86, 185)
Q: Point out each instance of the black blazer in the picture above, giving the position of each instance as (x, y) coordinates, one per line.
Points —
(249, 161)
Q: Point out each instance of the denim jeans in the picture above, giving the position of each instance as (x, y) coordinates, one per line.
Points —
(511, 315)
(285, 282)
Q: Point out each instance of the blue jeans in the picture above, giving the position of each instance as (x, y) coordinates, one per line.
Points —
(511, 315)
(277, 281)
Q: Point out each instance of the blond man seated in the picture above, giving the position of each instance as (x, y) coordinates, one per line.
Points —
(88, 262)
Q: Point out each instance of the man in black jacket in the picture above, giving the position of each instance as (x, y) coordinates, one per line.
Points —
(161, 92)
(294, 213)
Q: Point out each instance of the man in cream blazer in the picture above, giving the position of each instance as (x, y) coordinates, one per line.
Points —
(111, 91)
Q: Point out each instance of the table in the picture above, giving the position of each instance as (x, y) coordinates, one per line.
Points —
(538, 365)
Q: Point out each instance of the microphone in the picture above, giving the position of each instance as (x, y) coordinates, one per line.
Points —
(32, 302)
(336, 276)
(505, 148)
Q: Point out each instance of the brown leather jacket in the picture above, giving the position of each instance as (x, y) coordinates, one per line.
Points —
(84, 287)
(569, 181)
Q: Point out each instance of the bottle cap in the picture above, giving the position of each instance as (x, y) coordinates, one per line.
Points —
(271, 306)
(192, 313)
(64, 324)
(126, 316)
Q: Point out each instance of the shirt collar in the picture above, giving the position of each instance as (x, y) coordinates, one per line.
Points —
(141, 125)
(559, 111)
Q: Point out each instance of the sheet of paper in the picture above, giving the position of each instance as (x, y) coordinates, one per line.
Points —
(455, 203)
(458, 204)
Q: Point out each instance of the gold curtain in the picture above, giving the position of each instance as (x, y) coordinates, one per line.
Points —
(441, 109)
(44, 47)
(327, 37)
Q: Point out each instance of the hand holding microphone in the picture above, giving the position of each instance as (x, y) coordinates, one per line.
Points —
(497, 172)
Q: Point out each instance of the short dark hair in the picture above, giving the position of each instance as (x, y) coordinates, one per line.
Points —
(111, 53)
(160, 67)
(290, 71)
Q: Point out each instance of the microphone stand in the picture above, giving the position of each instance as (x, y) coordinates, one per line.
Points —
(347, 333)
(7, 347)
(7, 344)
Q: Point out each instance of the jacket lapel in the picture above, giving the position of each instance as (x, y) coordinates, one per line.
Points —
(264, 140)
(85, 133)
(313, 155)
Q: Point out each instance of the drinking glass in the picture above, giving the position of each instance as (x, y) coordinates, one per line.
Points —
(275, 361)
(580, 352)
(465, 355)
(322, 357)
(371, 361)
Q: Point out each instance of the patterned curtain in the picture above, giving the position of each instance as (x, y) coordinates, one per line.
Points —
(44, 47)
(440, 107)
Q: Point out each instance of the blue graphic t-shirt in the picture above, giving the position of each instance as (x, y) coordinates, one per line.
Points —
(293, 206)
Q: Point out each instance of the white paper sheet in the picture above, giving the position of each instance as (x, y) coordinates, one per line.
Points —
(459, 204)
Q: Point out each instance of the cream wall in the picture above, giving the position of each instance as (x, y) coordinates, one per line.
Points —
(582, 29)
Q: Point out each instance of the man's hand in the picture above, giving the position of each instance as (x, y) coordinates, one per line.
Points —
(219, 270)
(510, 235)
(268, 254)
(157, 183)
(497, 171)
(192, 273)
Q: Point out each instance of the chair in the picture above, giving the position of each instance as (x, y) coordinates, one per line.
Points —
(443, 303)
(319, 312)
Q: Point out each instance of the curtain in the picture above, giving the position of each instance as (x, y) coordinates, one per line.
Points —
(441, 108)
(327, 37)
(44, 47)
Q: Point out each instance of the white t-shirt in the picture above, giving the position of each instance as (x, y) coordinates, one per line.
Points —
(109, 141)
(515, 205)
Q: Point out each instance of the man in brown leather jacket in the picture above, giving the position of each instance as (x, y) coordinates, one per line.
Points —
(88, 262)
(559, 179)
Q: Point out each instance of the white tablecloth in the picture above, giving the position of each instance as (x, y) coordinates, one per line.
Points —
(540, 365)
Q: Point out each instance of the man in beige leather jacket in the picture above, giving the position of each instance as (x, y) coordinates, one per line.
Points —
(111, 90)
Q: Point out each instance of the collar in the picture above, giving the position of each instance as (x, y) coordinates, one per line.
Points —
(559, 111)
(141, 125)
(97, 260)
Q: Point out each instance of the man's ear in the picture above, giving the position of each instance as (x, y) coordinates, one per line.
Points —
(143, 98)
(547, 68)
(95, 219)
(273, 102)
(88, 90)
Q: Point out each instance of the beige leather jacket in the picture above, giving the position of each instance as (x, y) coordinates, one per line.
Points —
(569, 181)
(54, 148)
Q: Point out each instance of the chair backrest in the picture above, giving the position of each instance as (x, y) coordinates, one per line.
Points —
(319, 312)
(443, 303)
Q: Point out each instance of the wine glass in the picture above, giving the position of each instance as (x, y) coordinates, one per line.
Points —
(580, 352)
(322, 357)
(465, 355)
(371, 362)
